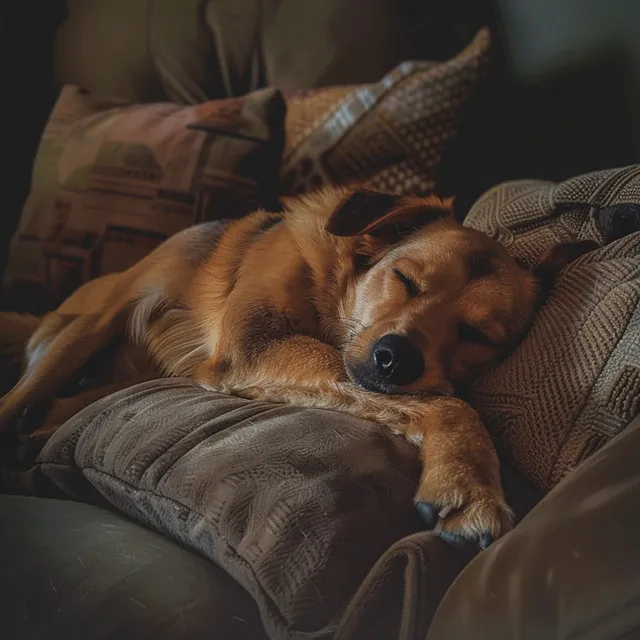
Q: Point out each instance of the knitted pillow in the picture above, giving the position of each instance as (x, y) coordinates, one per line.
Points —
(574, 382)
(390, 135)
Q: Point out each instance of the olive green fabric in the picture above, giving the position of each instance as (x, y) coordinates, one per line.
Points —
(73, 571)
(146, 51)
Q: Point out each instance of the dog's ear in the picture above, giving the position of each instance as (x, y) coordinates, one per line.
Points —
(547, 270)
(385, 216)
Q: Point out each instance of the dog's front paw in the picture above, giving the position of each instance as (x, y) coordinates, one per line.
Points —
(460, 509)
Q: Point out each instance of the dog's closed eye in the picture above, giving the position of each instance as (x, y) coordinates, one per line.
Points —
(409, 283)
(469, 333)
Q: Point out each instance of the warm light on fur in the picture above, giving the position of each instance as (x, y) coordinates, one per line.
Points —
(301, 307)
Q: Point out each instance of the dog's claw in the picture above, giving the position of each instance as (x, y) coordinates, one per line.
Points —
(431, 515)
(485, 540)
(466, 513)
(428, 513)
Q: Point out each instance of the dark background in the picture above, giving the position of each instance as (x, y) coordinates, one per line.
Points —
(561, 98)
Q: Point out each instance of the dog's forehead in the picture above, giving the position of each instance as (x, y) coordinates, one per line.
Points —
(450, 242)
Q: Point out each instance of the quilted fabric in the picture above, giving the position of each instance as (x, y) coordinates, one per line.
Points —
(389, 135)
(574, 382)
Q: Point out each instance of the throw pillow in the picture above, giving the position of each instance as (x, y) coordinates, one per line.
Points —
(112, 181)
(574, 382)
(296, 504)
(390, 135)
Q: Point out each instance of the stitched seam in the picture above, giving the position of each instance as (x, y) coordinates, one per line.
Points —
(281, 620)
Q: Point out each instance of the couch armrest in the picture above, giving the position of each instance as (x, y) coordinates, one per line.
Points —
(72, 570)
(571, 569)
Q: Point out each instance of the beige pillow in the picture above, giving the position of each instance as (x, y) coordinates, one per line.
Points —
(574, 382)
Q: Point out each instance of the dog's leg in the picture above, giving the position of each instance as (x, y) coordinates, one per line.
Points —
(460, 494)
(66, 352)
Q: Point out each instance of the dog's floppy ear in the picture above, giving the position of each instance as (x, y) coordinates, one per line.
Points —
(385, 216)
(557, 259)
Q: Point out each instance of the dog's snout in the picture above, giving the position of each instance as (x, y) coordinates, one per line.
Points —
(397, 360)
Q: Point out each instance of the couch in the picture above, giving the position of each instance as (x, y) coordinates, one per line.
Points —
(93, 564)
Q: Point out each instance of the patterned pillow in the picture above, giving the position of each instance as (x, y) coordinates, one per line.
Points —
(390, 135)
(112, 181)
(574, 382)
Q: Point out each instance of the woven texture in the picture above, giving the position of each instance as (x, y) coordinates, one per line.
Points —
(574, 382)
(389, 135)
(111, 182)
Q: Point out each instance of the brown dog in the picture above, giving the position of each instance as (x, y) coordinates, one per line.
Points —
(363, 302)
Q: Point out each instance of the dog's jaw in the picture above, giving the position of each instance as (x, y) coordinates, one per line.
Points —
(359, 378)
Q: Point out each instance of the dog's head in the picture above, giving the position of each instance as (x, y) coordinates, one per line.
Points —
(429, 303)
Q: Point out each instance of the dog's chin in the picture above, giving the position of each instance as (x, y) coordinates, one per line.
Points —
(374, 385)
(361, 377)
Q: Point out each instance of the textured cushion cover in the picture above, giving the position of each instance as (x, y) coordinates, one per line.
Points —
(295, 504)
(574, 382)
(390, 135)
(111, 181)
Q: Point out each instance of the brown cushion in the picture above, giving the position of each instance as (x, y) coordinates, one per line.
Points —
(296, 504)
(390, 134)
(571, 569)
(574, 381)
(112, 181)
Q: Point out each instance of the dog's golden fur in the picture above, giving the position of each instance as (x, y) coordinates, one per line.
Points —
(290, 307)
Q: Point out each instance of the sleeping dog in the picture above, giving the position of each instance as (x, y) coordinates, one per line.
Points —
(353, 300)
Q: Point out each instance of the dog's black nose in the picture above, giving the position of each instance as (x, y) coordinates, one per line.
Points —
(397, 360)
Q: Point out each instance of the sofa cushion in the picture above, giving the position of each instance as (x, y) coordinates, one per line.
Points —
(574, 381)
(571, 569)
(111, 181)
(296, 504)
(390, 134)
(77, 571)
